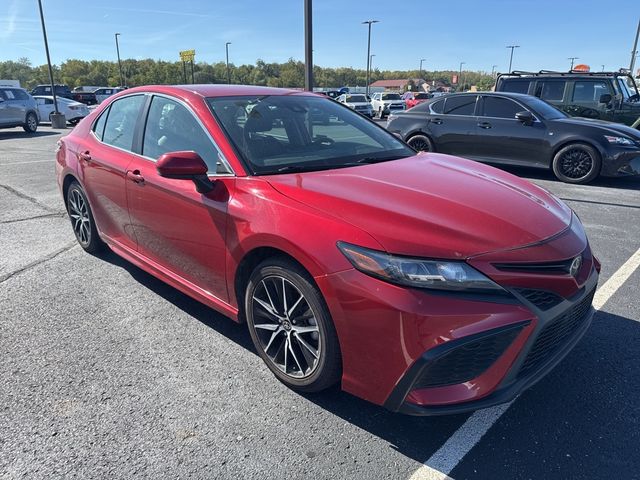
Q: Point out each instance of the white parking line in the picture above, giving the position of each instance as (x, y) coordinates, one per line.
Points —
(441, 463)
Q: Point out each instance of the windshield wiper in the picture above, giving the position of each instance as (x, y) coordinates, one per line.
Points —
(380, 159)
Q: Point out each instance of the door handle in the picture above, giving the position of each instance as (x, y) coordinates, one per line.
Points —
(84, 156)
(484, 124)
(134, 176)
(437, 121)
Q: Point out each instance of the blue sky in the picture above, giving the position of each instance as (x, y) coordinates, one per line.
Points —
(444, 33)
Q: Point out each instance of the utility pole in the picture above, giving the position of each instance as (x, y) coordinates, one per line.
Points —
(56, 122)
(119, 63)
(512, 47)
(573, 59)
(226, 46)
(634, 52)
(308, 46)
(493, 70)
(420, 72)
(369, 22)
(460, 86)
(603, 68)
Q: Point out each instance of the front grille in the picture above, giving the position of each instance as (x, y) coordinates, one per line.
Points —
(467, 361)
(542, 299)
(558, 267)
(555, 334)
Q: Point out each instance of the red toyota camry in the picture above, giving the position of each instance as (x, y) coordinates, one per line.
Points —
(422, 282)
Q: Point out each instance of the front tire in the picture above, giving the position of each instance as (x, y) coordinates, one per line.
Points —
(31, 123)
(291, 327)
(577, 163)
(82, 222)
(420, 143)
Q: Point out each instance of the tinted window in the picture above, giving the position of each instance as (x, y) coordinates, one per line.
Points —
(390, 96)
(500, 107)
(98, 127)
(172, 128)
(589, 91)
(20, 94)
(121, 121)
(515, 86)
(551, 90)
(356, 98)
(9, 95)
(462, 105)
(437, 107)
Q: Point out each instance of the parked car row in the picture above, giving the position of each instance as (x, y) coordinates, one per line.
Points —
(79, 94)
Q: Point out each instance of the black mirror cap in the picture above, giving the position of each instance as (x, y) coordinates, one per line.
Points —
(605, 98)
(525, 117)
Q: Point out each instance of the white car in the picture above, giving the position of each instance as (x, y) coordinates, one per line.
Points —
(356, 101)
(104, 93)
(384, 103)
(73, 111)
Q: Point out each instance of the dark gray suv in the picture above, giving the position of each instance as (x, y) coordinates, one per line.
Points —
(18, 109)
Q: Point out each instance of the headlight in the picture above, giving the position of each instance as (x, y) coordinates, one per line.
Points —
(619, 140)
(420, 273)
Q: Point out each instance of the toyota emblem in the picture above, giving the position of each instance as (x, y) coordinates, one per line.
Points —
(575, 266)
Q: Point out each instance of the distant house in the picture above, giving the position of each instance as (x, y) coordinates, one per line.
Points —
(401, 84)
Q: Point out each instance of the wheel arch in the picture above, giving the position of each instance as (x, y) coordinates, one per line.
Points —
(579, 140)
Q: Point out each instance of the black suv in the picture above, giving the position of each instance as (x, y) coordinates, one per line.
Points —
(611, 96)
(61, 91)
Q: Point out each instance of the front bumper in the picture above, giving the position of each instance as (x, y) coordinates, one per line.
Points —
(620, 161)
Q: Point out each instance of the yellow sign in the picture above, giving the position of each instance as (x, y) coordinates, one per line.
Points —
(187, 55)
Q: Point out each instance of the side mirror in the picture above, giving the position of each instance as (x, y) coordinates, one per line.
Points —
(605, 98)
(185, 165)
(525, 117)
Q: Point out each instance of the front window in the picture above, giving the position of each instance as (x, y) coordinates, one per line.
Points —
(498, 107)
(279, 134)
(627, 87)
(589, 91)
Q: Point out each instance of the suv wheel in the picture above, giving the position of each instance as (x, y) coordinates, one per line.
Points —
(291, 327)
(31, 123)
(576, 163)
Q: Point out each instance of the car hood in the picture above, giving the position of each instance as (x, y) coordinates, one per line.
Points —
(432, 205)
(611, 127)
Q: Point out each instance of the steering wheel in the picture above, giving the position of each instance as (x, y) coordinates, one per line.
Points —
(323, 140)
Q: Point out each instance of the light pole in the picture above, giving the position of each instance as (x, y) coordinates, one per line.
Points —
(493, 70)
(603, 68)
(226, 47)
(512, 47)
(57, 120)
(119, 63)
(573, 59)
(420, 72)
(460, 76)
(369, 22)
(371, 60)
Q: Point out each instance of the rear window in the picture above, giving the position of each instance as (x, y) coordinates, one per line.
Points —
(515, 86)
(463, 105)
(356, 98)
(436, 107)
(390, 96)
(550, 90)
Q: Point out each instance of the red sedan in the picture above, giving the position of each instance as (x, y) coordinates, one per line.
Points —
(414, 99)
(422, 282)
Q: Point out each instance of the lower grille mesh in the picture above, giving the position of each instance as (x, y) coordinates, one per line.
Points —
(542, 299)
(554, 335)
(467, 361)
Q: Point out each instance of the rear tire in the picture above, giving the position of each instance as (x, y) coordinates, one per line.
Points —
(577, 163)
(420, 143)
(31, 123)
(82, 222)
(291, 327)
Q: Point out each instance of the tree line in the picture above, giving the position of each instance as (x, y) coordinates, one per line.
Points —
(290, 74)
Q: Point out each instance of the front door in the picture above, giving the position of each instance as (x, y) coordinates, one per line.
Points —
(177, 227)
(503, 138)
(585, 100)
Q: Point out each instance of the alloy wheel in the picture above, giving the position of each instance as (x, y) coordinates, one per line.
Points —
(576, 163)
(80, 219)
(286, 327)
(420, 144)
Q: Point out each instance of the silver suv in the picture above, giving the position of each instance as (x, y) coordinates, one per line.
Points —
(18, 109)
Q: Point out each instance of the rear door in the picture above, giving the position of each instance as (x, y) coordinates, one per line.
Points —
(177, 227)
(503, 138)
(454, 130)
(104, 156)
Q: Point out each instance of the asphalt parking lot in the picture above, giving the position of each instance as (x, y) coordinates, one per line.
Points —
(107, 372)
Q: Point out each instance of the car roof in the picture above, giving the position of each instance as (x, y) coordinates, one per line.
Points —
(216, 90)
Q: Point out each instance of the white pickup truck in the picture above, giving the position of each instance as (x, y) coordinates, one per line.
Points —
(384, 103)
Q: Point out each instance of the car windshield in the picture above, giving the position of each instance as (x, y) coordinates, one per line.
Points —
(547, 111)
(356, 98)
(628, 87)
(296, 133)
(390, 96)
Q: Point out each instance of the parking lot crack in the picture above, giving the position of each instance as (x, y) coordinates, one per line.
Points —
(46, 215)
(24, 196)
(51, 256)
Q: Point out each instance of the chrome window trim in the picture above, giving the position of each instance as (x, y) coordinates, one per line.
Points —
(154, 160)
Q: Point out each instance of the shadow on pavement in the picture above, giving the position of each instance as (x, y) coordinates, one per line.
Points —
(23, 134)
